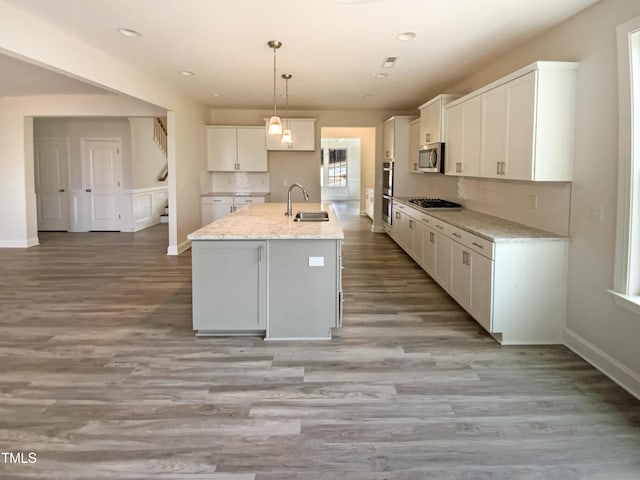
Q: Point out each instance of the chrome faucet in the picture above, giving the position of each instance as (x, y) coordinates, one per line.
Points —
(306, 196)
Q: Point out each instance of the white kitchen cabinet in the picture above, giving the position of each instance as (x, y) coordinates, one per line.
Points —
(515, 289)
(369, 202)
(463, 137)
(526, 125)
(215, 207)
(303, 133)
(414, 146)
(234, 300)
(231, 148)
(395, 138)
(432, 125)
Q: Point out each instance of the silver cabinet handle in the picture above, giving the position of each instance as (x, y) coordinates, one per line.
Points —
(87, 190)
(61, 190)
(410, 223)
(432, 237)
(465, 258)
(456, 234)
(477, 245)
(260, 253)
(440, 227)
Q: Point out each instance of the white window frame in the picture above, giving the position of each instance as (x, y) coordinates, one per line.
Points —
(626, 286)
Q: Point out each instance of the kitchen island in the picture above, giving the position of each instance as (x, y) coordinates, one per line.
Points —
(259, 272)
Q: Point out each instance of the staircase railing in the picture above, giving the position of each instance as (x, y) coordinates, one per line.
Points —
(160, 137)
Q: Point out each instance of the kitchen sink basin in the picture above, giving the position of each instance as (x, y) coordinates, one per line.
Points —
(321, 216)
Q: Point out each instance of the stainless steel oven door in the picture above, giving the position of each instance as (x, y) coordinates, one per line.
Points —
(387, 209)
(387, 178)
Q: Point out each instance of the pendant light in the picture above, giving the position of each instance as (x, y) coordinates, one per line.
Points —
(286, 135)
(275, 125)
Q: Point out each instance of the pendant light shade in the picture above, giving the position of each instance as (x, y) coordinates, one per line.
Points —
(286, 135)
(275, 125)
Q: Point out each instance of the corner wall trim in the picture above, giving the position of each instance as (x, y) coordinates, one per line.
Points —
(612, 368)
(177, 250)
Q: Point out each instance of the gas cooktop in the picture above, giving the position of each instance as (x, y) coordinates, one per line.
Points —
(434, 203)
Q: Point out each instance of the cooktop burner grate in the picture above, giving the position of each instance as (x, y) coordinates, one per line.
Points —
(434, 203)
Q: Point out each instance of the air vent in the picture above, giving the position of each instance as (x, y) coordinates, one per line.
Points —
(389, 62)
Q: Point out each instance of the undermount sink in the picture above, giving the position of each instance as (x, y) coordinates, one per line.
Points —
(321, 216)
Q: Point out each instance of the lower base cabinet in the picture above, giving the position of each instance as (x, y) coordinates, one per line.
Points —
(283, 289)
(516, 290)
(229, 286)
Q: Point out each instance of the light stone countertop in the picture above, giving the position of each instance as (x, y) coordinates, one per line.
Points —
(235, 194)
(491, 228)
(267, 221)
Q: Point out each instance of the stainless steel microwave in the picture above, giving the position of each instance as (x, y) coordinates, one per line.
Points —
(431, 158)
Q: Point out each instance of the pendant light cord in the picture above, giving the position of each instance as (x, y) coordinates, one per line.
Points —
(274, 83)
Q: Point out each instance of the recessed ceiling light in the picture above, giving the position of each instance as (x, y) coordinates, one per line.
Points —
(406, 36)
(365, 95)
(216, 94)
(127, 32)
(380, 75)
(187, 73)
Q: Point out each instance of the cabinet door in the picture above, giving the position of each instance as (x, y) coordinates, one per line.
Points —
(520, 131)
(229, 285)
(461, 274)
(471, 136)
(214, 211)
(400, 227)
(453, 140)
(252, 151)
(481, 299)
(222, 149)
(414, 146)
(430, 119)
(442, 273)
(414, 239)
(387, 139)
(494, 133)
(429, 250)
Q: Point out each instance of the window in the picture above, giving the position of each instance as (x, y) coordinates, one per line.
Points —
(335, 160)
(626, 286)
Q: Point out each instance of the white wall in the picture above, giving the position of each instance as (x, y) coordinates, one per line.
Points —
(604, 333)
(31, 39)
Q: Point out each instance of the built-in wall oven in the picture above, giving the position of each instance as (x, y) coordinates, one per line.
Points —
(387, 192)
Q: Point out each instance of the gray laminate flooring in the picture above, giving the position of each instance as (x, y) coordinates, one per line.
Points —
(102, 378)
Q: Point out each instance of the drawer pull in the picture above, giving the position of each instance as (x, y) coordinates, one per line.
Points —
(456, 234)
(440, 227)
(477, 245)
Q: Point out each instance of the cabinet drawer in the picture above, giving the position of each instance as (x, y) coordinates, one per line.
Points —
(474, 242)
(208, 200)
(439, 226)
(401, 207)
(247, 200)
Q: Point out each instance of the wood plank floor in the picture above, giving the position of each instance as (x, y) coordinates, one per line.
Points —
(102, 377)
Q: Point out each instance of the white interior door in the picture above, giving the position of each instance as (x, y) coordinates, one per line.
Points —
(101, 172)
(51, 163)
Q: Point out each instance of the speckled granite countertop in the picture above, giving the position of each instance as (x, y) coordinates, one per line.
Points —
(486, 226)
(235, 194)
(267, 221)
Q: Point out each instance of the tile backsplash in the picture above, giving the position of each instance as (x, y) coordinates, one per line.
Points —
(234, 182)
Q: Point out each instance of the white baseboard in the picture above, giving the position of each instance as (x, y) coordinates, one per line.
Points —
(29, 242)
(612, 368)
(377, 229)
(177, 250)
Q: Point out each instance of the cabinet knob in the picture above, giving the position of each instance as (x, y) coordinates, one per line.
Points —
(88, 190)
(61, 190)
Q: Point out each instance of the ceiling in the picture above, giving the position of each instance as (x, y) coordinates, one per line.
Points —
(332, 48)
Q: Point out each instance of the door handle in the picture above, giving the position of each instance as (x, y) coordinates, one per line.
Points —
(88, 190)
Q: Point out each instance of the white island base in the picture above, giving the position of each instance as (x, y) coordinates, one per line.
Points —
(257, 272)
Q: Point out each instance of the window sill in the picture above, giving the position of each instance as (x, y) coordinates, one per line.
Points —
(628, 302)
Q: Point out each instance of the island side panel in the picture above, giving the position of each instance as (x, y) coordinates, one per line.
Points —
(303, 288)
(229, 287)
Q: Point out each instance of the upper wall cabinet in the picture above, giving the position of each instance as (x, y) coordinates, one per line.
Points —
(432, 118)
(395, 138)
(303, 132)
(526, 125)
(231, 148)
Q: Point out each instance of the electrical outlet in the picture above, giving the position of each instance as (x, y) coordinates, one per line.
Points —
(533, 202)
(285, 183)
